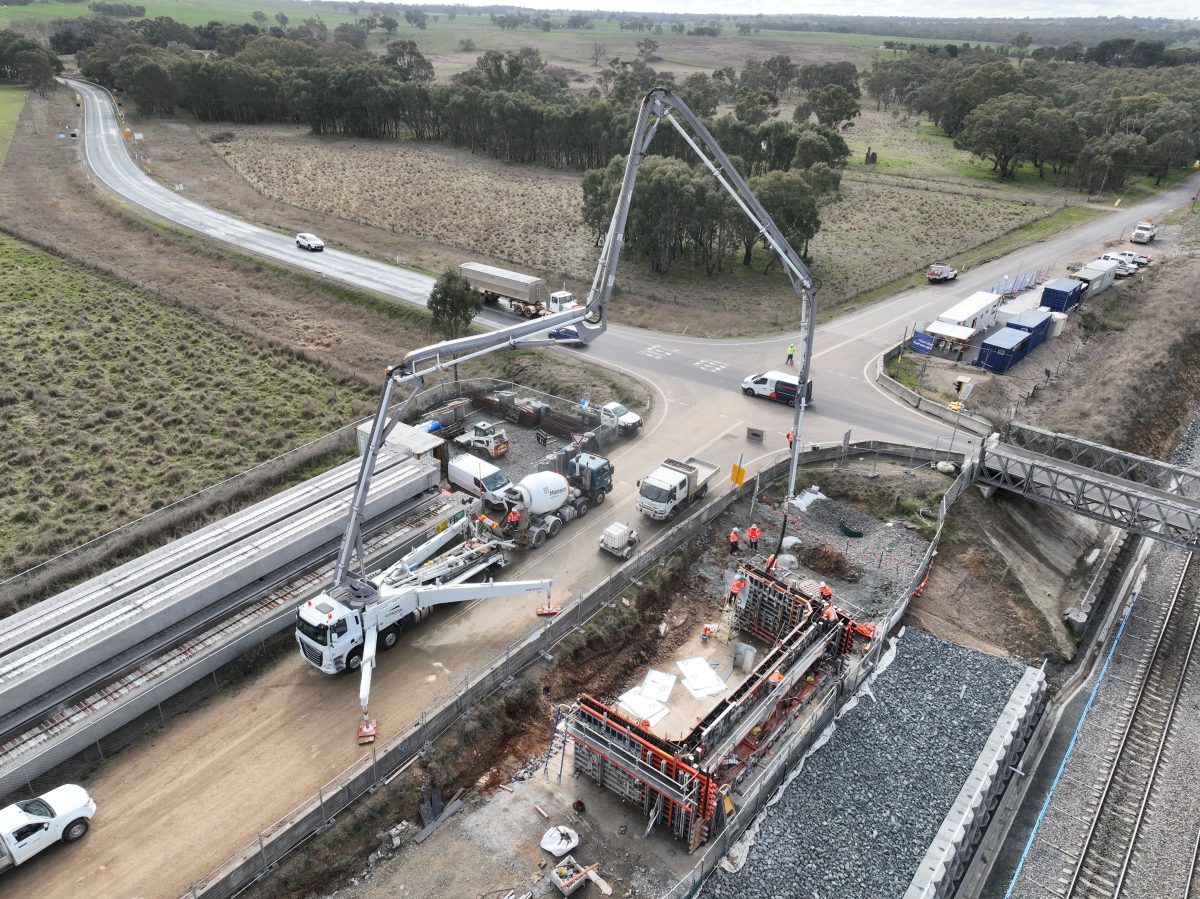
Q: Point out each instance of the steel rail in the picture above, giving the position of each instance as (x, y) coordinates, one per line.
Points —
(1078, 884)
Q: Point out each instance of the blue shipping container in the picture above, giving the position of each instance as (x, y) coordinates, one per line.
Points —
(1062, 294)
(1003, 350)
(1036, 323)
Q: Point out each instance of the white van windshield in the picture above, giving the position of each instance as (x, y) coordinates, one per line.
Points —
(495, 481)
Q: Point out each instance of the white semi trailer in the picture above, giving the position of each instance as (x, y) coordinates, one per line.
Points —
(524, 295)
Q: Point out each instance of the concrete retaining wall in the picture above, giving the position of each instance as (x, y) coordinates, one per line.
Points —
(948, 856)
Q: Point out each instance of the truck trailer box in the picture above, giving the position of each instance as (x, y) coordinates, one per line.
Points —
(1036, 323)
(1003, 350)
(978, 311)
(1062, 294)
(498, 282)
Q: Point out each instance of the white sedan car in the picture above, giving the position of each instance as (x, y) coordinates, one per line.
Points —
(309, 242)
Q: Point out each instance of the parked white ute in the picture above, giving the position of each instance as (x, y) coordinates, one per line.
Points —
(627, 422)
(29, 826)
(306, 241)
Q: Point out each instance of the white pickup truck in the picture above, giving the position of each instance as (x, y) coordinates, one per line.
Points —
(664, 490)
(29, 826)
(1144, 232)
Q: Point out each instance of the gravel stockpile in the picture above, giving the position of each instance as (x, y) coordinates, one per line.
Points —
(858, 819)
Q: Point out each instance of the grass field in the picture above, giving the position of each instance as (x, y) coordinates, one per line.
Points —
(190, 12)
(12, 98)
(115, 403)
(888, 224)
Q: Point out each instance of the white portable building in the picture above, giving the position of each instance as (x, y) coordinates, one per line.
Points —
(978, 311)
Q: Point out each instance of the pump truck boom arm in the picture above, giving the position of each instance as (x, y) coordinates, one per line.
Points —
(590, 320)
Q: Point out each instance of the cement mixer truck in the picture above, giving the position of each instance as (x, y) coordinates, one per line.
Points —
(537, 507)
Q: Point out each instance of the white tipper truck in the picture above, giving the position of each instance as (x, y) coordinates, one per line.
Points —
(29, 826)
(664, 490)
(525, 295)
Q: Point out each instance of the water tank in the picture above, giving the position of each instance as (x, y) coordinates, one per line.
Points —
(1058, 321)
(543, 491)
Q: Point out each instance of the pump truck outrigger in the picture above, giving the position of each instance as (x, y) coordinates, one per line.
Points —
(356, 613)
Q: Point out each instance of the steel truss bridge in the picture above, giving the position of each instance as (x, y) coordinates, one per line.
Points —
(1143, 496)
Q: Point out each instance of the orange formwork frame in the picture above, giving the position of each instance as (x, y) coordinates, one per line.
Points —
(680, 784)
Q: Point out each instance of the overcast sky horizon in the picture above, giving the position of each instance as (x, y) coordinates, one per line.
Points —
(942, 9)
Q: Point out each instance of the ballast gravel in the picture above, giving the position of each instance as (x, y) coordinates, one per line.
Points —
(858, 819)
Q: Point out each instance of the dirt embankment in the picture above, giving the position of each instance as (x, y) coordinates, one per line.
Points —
(1126, 373)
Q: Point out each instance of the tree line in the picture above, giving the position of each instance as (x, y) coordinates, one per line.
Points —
(1097, 126)
(23, 61)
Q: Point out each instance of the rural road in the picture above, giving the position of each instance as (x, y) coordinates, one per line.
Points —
(845, 349)
(193, 794)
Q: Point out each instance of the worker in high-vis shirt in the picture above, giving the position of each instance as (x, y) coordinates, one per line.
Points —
(752, 534)
(734, 539)
(736, 587)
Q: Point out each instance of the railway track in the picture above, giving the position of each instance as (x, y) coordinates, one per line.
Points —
(1102, 867)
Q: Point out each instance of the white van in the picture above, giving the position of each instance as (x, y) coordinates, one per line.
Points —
(478, 477)
(778, 386)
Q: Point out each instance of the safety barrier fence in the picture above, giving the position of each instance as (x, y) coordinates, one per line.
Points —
(273, 843)
(35, 581)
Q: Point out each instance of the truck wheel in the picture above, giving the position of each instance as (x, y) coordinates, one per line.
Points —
(537, 539)
(748, 391)
(554, 528)
(598, 499)
(583, 507)
(671, 514)
(627, 552)
(389, 636)
(354, 660)
(700, 494)
(75, 830)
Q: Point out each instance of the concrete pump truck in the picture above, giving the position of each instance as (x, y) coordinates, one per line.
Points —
(342, 628)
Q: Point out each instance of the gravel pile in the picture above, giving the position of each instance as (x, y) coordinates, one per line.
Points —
(858, 819)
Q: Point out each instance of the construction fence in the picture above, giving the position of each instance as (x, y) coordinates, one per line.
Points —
(372, 770)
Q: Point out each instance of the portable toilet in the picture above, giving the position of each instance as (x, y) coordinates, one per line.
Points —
(1062, 294)
(1034, 322)
(1003, 350)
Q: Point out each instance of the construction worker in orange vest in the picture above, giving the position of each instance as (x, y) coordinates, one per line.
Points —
(826, 592)
(753, 533)
(736, 587)
(733, 541)
(791, 437)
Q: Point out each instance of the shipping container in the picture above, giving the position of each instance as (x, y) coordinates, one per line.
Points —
(1037, 324)
(1003, 350)
(1018, 305)
(1062, 294)
(978, 311)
